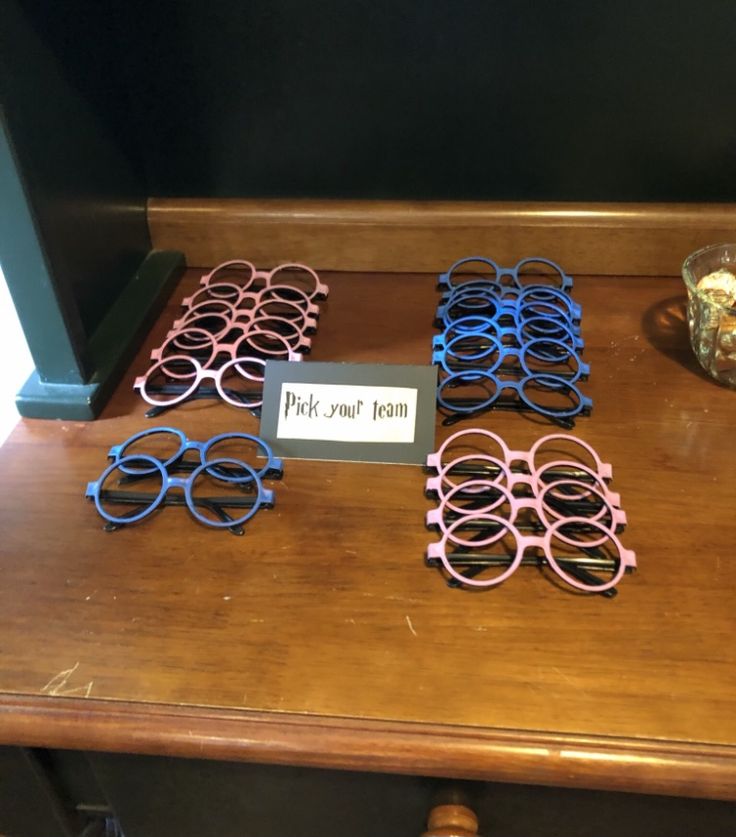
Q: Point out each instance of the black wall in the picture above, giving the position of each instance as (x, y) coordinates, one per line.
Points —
(487, 99)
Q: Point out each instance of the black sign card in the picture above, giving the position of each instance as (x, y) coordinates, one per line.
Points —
(356, 412)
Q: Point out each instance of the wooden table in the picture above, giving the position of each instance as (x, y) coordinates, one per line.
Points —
(320, 638)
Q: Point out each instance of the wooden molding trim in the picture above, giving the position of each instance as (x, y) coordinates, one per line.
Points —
(595, 238)
(659, 767)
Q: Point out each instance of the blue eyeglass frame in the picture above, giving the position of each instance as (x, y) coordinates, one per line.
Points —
(584, 405)
(273, 466)
(525, 310)
(541, 329)
(264, 496)
(445, 279)
(507, 295)
(503, 353)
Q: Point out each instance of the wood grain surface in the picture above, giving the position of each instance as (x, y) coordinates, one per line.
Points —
(321, 638)
(613, 239)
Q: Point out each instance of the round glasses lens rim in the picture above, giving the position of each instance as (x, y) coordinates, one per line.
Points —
(445, 477)
(222, 524)
(153, 431)
(220, 387)
(496, 349)
(261, 444)
(571, 440)
(607, 508)
(539, 260)
(176, 399)
(571, 580)
(527, 294)
(190, 325)
(116, 465)
(470, 431)
(232, 265)
(285, 353)
(300, 321)
(561, 384)
(446, 504)
(543, 326)
(486, 326)
(476, 375)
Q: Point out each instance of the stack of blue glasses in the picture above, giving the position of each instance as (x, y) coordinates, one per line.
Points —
(510, 340)
(222, 482)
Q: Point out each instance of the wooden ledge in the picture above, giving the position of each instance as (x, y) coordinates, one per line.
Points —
(615, 239)
(455, 752)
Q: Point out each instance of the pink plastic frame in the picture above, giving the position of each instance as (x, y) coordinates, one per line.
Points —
(443, 484)
(200, 374)
(193, 338)
(208, 343)
(627, 559)
(268, 277)
(239, 298)
(222, 308)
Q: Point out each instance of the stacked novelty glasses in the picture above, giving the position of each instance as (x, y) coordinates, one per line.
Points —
(510, 340)
(238, 319)
(499, 509)
(220, 481)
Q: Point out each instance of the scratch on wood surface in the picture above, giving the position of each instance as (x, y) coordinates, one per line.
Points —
(411, 627)
(57, 685)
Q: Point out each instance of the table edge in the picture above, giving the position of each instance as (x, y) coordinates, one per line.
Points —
(650, 766)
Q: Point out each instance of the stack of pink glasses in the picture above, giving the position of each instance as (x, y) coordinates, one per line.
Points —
(238, 319)
(549, 507)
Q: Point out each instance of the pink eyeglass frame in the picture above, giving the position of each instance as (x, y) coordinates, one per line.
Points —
(609, 500)
(604, 470)
(296, 342)
(201, 374)
(438, 551)
(239, 296)
(320, 289)
(534, 480)
(232, 349)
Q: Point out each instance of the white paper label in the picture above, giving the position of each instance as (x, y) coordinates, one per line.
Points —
(343, 413)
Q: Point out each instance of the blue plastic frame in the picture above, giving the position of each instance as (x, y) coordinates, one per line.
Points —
(263, 495)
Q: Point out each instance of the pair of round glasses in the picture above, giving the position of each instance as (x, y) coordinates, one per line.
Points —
(512, 295)
(239, 298)
(462, 394)
(223, 493)
(468, 351)
(487, 307)
(532, 270)
(532, 329)
(244, 275)
(169, 446)
(239, 382)
(583, 552)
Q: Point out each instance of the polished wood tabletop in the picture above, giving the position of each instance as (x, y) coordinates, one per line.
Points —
(320, 637)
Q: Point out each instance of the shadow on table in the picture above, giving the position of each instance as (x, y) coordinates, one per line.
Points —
(665, 327)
